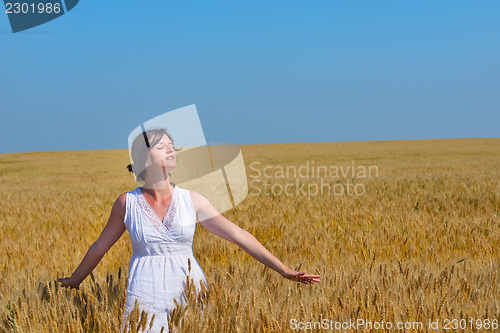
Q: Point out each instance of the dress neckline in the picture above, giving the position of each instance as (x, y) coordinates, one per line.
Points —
(167, 219)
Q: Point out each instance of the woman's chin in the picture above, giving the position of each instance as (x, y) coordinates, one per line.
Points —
(170, 165)
(166, 164)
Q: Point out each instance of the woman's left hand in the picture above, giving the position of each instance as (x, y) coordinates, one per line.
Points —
(301, 277)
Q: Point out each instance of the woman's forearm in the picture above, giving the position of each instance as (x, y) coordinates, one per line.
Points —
(253, 247)
(87, 265)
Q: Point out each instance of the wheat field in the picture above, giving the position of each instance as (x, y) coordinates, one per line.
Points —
(421, 244)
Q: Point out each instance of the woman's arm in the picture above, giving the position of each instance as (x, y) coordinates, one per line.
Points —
(112, 232)
(220, 226)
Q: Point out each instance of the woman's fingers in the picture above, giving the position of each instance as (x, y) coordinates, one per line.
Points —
(303, 277)
(65, 283)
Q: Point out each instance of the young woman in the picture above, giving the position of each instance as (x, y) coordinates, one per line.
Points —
(161, 220)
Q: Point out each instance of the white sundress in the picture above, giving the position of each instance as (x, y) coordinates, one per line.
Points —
(159, 263)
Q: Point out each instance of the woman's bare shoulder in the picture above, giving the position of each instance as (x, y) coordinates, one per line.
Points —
(202, 206)
(197, 199)
(120, 204)
(122, 199)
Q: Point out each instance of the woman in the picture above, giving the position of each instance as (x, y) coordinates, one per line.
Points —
(161, 220)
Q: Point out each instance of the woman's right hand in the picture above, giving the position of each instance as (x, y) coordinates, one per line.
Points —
(111, 233)
(67, 282)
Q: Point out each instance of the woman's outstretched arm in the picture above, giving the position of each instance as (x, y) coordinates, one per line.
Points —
(220, 226)
(112, 232)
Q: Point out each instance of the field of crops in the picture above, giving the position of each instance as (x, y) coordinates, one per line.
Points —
(411, 238)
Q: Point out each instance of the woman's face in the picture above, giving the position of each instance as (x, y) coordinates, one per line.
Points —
(162, 155)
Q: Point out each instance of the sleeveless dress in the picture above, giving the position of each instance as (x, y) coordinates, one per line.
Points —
(159, 263)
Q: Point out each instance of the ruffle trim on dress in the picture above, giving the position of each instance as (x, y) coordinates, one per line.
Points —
(169, 217)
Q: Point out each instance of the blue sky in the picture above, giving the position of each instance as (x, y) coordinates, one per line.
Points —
(258, 72)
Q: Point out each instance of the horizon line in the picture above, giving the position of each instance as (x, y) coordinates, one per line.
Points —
(255, 144)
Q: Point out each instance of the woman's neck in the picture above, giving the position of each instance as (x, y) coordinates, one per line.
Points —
(160, 191)
(157, 178)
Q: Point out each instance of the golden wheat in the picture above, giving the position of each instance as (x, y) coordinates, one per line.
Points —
(422, 244)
